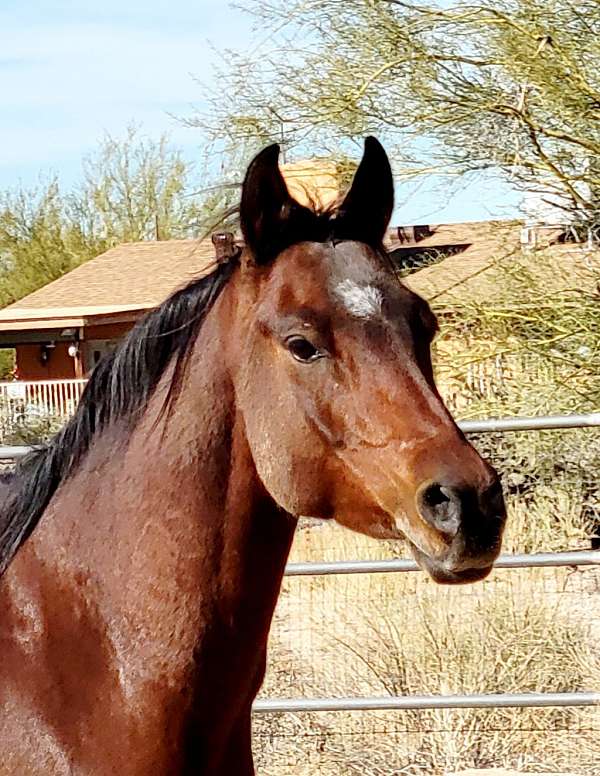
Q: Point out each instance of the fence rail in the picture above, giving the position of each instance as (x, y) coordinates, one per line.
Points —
(13, 452)
(422, 702)
(536, 560)
(535, 423)
(22, 401)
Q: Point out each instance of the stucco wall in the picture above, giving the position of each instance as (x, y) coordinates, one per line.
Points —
(60, 365)
(107, 331)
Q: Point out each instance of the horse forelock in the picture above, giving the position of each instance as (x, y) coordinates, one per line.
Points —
(315, 225)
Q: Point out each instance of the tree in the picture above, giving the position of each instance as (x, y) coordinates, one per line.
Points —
(459, 87)
(133, 189)
(36, 243)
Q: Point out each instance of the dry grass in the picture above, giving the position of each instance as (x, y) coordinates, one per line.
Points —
(401, 634)
(526, 630)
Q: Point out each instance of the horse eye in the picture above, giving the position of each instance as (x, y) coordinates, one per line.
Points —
(302, 349)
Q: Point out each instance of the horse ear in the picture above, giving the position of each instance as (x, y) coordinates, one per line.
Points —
(267, 210)
(367, 208)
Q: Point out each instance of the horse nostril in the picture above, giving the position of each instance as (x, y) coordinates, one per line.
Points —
(435, 495)
(441, 507)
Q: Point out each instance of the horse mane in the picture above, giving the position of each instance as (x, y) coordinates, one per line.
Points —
(118, 390)
(123, 382)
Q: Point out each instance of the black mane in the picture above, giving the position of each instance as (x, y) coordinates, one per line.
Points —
(122, 383)
(118, 389)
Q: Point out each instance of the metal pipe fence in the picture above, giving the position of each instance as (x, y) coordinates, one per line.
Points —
(535, 423)
(423, 702)
(517, 561)
(536, 560)
(14, 452)
(489, 425)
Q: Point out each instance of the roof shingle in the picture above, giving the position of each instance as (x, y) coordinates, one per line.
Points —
(134, 277)
(129, 277)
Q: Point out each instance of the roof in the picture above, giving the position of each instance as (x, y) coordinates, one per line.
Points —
(479, 245)
(488, 247)
(134, 277)
(120, 283)
(129, 279)
(313, 181)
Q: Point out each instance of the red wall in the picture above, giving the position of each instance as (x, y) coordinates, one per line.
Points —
(107, 331)
(60, 365)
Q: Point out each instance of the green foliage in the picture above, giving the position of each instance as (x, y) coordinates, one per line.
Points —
(550, 485)
(37, 243)
(132, 189)
(33, 430)
(510, 85)
(7, 363)
(540, 315)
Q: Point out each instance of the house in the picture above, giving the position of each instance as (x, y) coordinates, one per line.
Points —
(62, 330)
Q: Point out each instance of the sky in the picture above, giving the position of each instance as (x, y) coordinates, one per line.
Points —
(72, 71)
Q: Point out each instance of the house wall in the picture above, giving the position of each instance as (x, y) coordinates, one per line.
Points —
(60, 365)
(107, 331)
(100, 340)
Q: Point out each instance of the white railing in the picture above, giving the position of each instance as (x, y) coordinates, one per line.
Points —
(24, 402)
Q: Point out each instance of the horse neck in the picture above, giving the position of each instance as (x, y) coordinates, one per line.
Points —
(154, 573)
(177, 506)
(242, 536)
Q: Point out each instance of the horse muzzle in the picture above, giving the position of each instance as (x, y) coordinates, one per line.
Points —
(470, 523)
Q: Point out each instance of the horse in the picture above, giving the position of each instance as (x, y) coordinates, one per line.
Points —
(143, 548)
